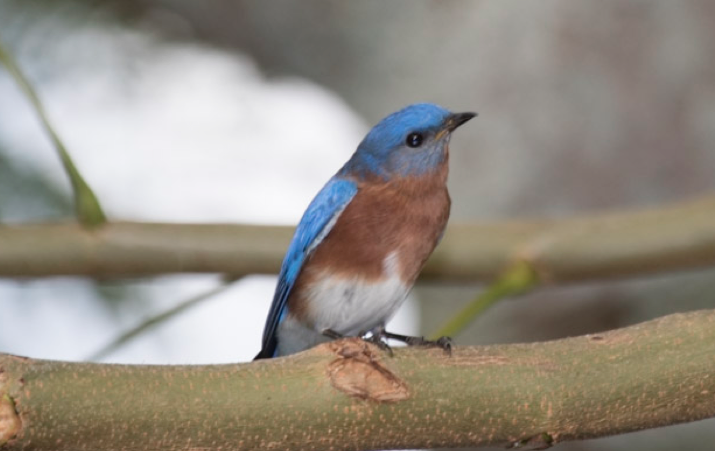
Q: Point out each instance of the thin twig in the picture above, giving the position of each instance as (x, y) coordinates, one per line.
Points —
(516, 280)
(155, 321)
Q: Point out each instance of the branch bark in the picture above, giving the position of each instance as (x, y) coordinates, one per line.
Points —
(672, 238)
(347, 395)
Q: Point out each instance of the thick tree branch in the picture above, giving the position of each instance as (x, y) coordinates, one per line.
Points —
(347, 395)
(672, 238)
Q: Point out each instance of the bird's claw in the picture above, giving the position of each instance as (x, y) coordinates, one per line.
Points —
(378, 341)
(442, 342)
(379, 338)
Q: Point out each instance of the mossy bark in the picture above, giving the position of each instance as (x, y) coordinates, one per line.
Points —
(348, 395)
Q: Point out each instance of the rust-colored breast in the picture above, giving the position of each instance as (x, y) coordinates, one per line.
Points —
(406, 216)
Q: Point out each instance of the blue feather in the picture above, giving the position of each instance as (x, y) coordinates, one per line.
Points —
(383, 152)
(390, 132)
(315, 224)
(410, 143)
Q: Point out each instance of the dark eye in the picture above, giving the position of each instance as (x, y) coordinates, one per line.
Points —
(414, 139)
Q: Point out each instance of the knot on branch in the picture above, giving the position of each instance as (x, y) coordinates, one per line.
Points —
(358, 373)
(9, 421)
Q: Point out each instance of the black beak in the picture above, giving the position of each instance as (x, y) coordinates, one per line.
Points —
(456, 119)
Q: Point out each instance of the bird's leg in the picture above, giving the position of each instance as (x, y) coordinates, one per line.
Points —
(377, 338)
(442, 342)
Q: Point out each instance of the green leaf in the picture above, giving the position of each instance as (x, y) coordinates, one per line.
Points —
(88, 210)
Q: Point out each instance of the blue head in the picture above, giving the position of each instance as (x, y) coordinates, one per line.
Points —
(410, 142)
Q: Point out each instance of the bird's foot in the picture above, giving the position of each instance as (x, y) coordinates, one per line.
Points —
(442, 342)
(378, 340)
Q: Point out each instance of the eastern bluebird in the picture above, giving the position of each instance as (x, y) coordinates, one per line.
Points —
(364, 238)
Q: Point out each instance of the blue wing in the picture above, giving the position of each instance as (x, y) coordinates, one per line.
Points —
(315, 224)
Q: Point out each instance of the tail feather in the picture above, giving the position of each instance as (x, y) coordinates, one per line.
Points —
(262, 355)
(268, 351)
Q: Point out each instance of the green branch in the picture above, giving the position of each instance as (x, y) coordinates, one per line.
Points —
(348, 395)
(633, 243)
(516, 280)
(87, 207)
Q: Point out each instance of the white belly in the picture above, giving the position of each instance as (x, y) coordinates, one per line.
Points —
(355, 305)
(348, 306)
(352, 306)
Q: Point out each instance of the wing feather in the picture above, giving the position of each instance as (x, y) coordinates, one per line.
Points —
(314, 226)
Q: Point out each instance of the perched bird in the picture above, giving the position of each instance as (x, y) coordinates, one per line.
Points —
(364, 238)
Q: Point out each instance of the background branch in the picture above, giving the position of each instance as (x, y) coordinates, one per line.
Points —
(347, 395)
(676, 237)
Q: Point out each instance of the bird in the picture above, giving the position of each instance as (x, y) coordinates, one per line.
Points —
(366, 235)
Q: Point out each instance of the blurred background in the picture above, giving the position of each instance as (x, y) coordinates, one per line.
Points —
(239, 111)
